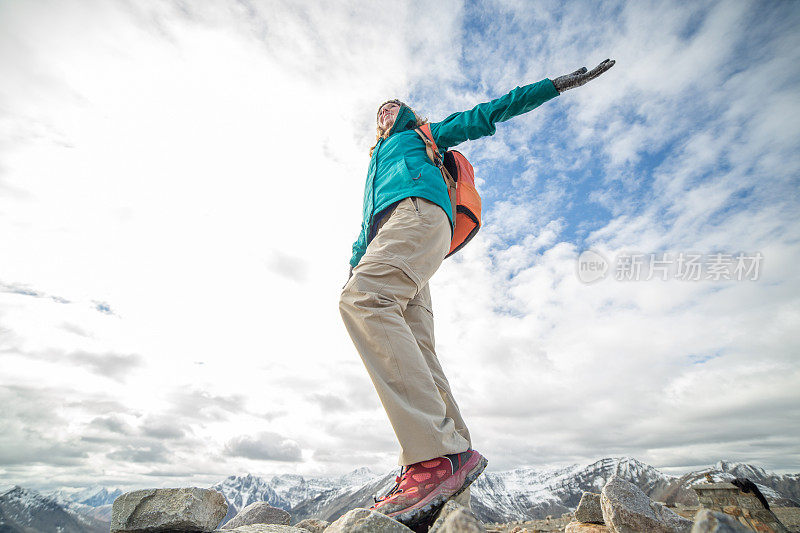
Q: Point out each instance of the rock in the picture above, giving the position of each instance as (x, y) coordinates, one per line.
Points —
(585, 527)
(313, 525)
(155, 510)
(461, 521)
(455, 518)
(259, 513)
(263, 528)
(589, 509)
(464, 499)
(706, 521)
(745, 506)
(626, 509)
(361, 520)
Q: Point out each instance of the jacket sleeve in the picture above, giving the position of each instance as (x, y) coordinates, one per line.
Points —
(359, 247)
(480, 120)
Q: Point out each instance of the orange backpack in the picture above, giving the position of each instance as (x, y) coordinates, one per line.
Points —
(460, 179)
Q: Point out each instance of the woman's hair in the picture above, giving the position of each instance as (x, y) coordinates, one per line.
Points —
(383, 134)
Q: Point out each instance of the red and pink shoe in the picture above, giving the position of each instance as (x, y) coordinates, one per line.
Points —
(423, 488)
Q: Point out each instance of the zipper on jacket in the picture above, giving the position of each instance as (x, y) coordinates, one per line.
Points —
(372, 192)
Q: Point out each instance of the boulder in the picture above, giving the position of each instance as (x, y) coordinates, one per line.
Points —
(156, 510)
(263, 528)
(589, 509)
(706, 521)
(455, 518)
(361, 520)
(626, 509)
(746, 507)
(585, 527)
(313, 525)
(259, 513)
(464, 499)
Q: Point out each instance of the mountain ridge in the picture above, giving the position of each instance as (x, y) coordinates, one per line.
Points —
(524, 493)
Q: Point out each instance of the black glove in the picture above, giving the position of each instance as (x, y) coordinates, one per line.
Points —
(580, 76)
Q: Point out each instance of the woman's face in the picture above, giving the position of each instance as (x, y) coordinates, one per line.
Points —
(387, 114)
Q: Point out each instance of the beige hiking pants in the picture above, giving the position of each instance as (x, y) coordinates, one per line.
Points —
(386, 307)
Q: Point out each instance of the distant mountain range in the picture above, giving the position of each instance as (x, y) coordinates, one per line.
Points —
(521, 494)
(27, 511)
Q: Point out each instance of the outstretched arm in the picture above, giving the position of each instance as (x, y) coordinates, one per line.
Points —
(480, 120)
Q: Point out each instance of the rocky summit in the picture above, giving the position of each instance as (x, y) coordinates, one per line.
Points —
(522, 500)
(623, 507)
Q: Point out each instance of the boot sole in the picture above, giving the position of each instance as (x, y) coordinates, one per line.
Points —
(432, 503)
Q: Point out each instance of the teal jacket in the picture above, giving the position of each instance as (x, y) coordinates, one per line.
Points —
(399, 166)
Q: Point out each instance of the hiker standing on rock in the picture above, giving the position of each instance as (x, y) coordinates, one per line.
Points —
(386, 303)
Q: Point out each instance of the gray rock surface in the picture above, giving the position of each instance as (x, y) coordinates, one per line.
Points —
(626, 509)
(706, 521)
(259, 513)
(745, 507)
(589, 509)
(156, 510)
(366, 521)
(455, 517)
(585, 527)
(313, 525)
(464, 499)
(263, 528)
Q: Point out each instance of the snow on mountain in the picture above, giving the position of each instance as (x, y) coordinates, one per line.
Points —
(93, 496)
(287, 491)
(520, 494)
(779, 490)
(295, 488)
(357, 478)
(27, 510)
(241, 491)
(96, 496)
(530, 493)
(348, 494)
(95, 501)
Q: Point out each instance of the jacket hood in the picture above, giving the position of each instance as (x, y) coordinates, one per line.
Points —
(406, 120)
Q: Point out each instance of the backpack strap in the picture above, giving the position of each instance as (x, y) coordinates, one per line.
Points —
(424, 131)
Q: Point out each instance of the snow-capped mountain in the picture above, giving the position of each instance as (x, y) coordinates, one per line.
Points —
(96, 496)
(24, 511)
(241, 491)
(522, 494)
(779, 490)
(530, 493)
(290, 491)
(94, 501)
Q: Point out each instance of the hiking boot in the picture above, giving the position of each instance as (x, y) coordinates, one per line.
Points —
(423, 488)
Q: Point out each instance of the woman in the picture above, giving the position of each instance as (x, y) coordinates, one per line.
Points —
(386, 303)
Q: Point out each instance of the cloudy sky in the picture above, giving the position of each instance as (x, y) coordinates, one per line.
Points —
(181, 184)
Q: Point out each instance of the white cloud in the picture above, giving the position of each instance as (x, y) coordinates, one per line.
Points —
(198, 172)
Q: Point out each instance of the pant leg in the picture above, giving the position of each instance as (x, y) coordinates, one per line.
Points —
(419, 317)
(408, 248)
